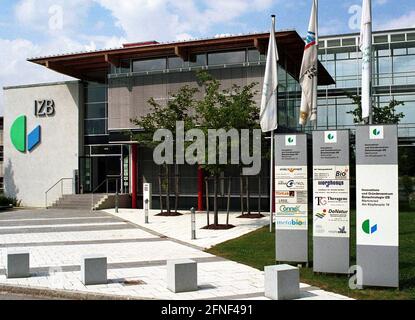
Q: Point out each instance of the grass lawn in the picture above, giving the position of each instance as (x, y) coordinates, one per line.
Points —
(257, 250)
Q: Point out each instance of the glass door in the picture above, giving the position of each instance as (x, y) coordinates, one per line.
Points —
(85, 175)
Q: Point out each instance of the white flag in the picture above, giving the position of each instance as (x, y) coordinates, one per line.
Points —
(269, 103)
(308, 74)
(366, 48)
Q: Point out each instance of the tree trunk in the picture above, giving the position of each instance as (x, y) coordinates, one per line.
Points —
(229, 200)
(176, 189)
(168, 190)
(161, 192)
(215, 202)
(248, 197)
(207, 201)
(242, 193)
(259, 194)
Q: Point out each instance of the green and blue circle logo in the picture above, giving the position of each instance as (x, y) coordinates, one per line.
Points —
(330, 136)
(369, 228)
(20, 139)
(376, 132)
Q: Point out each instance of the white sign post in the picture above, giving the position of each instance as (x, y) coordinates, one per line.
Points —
(291, 198)
(377, 215)
(331, 202)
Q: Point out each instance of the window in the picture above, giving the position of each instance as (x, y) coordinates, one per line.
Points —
(95, 94)
(95, 111)
(381, 39)
(1, 153)
(95, 127)
(254, 55)
(199, 60)
(175, 63)
(333, 43)
(222, 58)
(398, 37)
(349, 42)
(150, 65)
(96, 117)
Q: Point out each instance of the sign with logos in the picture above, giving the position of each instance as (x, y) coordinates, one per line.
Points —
(331, 201)
(291, 198)
(377, 216)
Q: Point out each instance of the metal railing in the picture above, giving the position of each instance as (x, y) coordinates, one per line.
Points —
(106, 182)
(60, 190)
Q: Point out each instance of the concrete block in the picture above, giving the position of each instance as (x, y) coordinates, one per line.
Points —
(182, 276)
(18, 264)
(282, 282)
(94, 270)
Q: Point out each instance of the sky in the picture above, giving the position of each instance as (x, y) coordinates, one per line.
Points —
(32, 28)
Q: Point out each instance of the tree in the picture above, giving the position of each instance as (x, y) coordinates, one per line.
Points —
(232, 108)
(381, 115)
(178, 108)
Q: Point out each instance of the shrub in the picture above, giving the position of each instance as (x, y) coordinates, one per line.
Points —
(6, 202)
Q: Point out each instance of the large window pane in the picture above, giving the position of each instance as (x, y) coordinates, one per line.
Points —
(199, 60)
(95, 127)
(175, 63)
(221, 58)
(95, 94)
(149, 65)
(95, 111)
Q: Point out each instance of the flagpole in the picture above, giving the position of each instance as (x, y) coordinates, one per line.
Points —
(271, 194)
(370, 63)
(316, 77)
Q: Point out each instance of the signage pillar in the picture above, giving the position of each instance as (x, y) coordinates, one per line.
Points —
(291, 198)
(377, 216)
(331, 201)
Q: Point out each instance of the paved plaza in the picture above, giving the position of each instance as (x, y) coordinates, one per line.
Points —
(137, 255)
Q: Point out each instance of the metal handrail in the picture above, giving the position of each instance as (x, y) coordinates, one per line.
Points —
(53, 187)
(106, 181)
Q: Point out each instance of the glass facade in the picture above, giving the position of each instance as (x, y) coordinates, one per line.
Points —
(96, 111)
(393, 77)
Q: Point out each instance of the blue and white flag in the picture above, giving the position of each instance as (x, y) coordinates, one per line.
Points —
(308, 74)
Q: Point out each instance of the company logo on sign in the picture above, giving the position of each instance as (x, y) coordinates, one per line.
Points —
(290, 140)
(331, 137)
(342, 174)
(287, 209)
(377, 133)
(368, 228)
(292, 222)
(20, 139)
(321, 215)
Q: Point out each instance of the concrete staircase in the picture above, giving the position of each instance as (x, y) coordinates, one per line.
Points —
(80, 202)
(84, 202)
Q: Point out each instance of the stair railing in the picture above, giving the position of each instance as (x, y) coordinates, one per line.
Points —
(106, 182)
(59, 186)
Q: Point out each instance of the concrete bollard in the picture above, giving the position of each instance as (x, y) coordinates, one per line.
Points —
(282, 282)
(182, 276)
(94, 270)
(18, 265)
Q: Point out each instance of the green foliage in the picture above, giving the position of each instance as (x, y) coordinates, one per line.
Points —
(6, 201)
(381, 115)
(227, 109)
(178, 108)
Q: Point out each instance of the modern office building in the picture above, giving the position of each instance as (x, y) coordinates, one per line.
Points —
(75, 137)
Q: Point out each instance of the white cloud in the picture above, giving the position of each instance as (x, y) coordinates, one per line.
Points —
(171, 19)
(404, 21)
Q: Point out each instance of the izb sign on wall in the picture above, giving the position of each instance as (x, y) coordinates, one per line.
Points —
(20, 139)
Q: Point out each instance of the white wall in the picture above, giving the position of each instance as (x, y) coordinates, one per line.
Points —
(28, 175)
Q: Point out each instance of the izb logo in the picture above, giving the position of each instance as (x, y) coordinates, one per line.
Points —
(19, 137)
(376, 133)
(368, 228)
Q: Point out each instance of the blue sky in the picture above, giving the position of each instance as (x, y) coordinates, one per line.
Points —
(42, 27)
